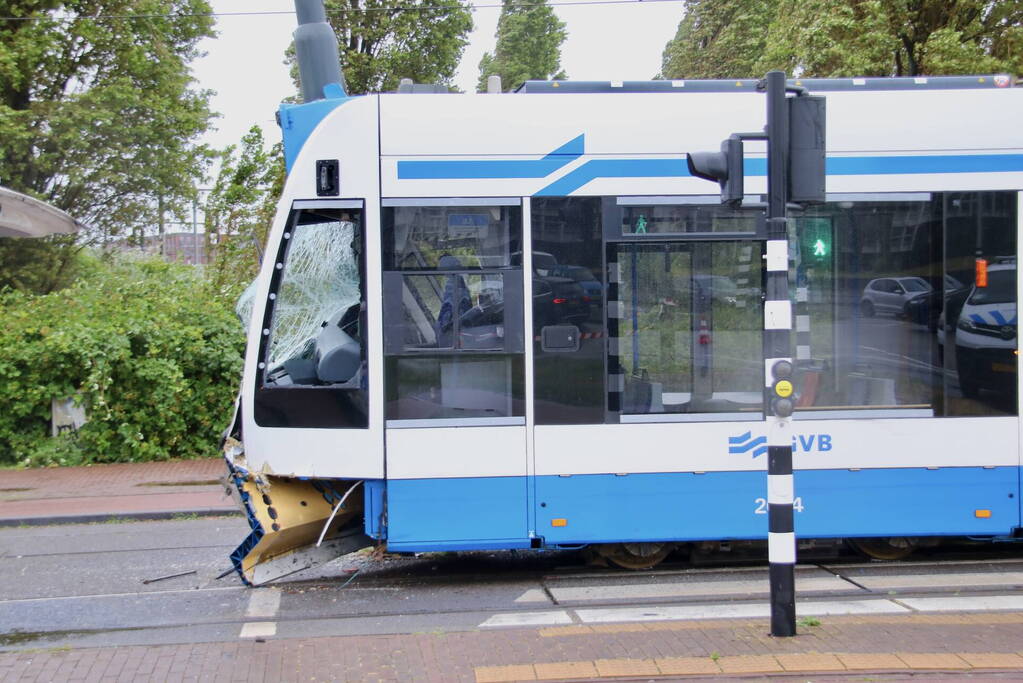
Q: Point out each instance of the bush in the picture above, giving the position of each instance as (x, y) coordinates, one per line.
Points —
(154, 357)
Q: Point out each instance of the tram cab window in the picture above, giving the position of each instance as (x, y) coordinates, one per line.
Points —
(453, 336)
(314, 368)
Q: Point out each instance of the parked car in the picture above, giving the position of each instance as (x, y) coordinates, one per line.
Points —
(583, 277)
(926, 308)
(890, 294)
(558, 301)
(985, 336)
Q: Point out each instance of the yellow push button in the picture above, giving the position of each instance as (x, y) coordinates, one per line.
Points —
(783, 388)
(559, 522)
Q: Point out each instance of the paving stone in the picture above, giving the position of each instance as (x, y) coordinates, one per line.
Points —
(749, 664)
(809, 661)
(555, 631)
(504, 674)
(611, 668)
(618, 628)
(557, 670)
(993, 660)
(681, 666)
(870, 662)
(933, 660)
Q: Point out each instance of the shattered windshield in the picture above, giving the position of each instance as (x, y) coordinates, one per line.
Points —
(321, 279)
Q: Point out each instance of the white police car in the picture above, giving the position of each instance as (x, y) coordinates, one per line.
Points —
(985, 338)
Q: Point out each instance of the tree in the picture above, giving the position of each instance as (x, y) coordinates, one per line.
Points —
(239, 211)
(824, 38)
(718, 39)
(382, 41)
(829, 38)
(529, 38)
(97, 112)
(140, 343)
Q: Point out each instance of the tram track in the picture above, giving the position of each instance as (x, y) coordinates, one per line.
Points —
(369, 593)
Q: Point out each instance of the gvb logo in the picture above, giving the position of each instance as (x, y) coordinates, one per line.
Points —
(809, 443)
(757, 446)
(744, 443)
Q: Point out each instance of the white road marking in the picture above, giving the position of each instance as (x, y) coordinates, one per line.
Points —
(533, 595)
(733, 611)
(264, 603)
(964, 580)
(697, 588)
(527, 619)
(759, 610)
(981, 603)
(136, 594)
(258, 629)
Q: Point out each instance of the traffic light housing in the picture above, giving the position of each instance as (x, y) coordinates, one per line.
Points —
(724, 167)
(806, 149)
(805, 155)
(782, 389)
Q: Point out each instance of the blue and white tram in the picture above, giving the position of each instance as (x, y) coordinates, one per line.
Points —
(515, 321)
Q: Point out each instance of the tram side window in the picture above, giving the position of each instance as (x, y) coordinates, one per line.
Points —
(314, 369)
(453, 332)
(977, 318)
(568, 294)
(889, 317)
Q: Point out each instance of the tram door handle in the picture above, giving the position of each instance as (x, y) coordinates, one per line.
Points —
(560, 338)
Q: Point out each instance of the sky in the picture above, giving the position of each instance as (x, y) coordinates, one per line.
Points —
(244, 65)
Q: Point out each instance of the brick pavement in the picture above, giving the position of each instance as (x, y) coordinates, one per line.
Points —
(855, 646)
(130, 490)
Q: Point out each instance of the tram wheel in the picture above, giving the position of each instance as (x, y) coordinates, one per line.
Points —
(636, 556)
(887, 548)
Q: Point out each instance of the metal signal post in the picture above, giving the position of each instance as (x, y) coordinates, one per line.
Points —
(779, 403)
(795, 172)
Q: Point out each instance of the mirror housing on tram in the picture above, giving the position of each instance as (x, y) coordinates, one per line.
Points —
(724, 167)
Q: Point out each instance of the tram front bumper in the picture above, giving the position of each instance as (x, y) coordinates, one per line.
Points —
(287, 516)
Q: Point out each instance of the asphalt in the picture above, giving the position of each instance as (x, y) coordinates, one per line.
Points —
(129, 491)
(981, 645)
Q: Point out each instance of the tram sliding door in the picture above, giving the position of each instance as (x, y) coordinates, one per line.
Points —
(687, 326)
(454, 373)
(684, 376)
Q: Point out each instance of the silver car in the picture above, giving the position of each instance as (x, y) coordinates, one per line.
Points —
(890, 294)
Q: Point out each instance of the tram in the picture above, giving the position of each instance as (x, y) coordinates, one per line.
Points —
(500, 321)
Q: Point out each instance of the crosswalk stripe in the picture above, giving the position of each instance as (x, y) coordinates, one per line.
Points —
(533, 595)
(263, 604)
(978, 603)
(527, 619)
(258, 629)
(900, 605)
(733, 611)
(674, 590)
(970, 580)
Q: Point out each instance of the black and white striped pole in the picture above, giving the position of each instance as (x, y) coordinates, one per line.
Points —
(795, 135)
(779, 402)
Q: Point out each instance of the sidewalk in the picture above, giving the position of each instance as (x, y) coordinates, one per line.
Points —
(153, 490)
(918, 646)
(915, 646)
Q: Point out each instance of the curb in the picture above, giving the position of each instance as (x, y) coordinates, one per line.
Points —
(114, 516)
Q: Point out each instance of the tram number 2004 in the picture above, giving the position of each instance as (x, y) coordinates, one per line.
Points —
(761, 505)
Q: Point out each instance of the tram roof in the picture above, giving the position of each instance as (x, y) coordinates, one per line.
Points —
(750, 85)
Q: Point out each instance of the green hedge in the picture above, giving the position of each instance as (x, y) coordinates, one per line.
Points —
(154, 356)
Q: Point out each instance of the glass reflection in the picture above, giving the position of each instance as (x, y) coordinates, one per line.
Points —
(886, 288)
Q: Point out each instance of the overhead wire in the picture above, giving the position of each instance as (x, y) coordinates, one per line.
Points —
(352, 10)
